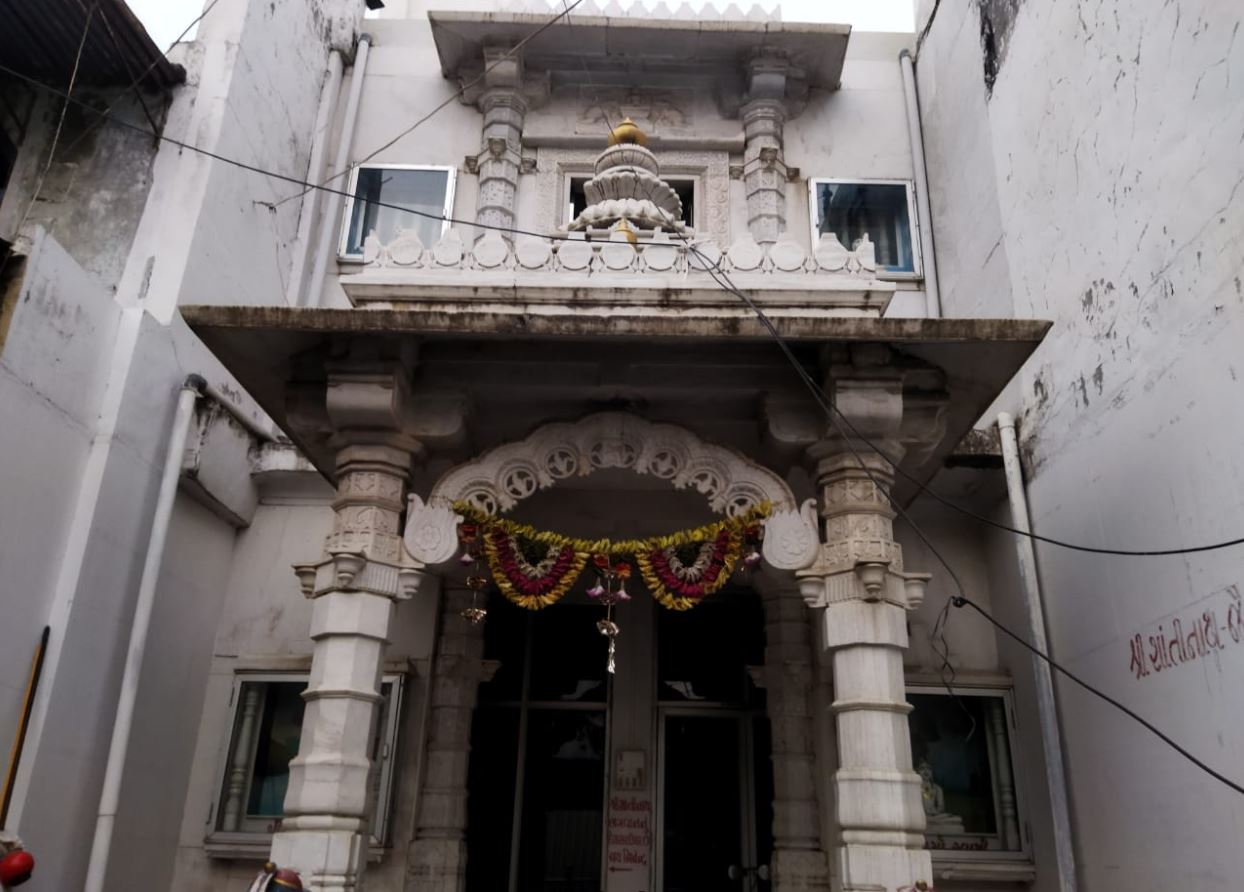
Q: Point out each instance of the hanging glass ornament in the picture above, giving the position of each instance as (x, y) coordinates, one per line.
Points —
(476, 581)
(752, 535)
(609, 629)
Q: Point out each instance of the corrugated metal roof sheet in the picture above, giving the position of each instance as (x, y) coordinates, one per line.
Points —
(40, 39)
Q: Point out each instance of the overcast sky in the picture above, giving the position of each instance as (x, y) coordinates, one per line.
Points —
(165, 19)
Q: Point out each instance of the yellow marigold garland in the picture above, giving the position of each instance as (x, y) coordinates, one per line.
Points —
(498, 535)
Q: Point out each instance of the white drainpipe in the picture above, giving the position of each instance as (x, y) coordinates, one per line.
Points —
(326, 248)
(924, 216)
(1047, 713)
(315, 170)
(123, 724)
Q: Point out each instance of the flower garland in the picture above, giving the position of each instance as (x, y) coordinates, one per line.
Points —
(680, 584)
(527, 584)
(535, 568)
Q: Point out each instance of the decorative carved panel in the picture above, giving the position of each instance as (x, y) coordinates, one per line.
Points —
(501, 478)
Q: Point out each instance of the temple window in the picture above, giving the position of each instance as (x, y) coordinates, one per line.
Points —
(963, 750)
(880, 209)
(266, 726)
(429, 190)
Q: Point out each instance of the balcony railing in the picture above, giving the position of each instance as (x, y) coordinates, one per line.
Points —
(580, 272)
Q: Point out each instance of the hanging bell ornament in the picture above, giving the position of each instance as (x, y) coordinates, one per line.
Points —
(751, 559)
(476, 582)
(467, 559)
(596, 591)
(474, 615)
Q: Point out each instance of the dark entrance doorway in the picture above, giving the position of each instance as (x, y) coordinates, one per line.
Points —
(716, 788)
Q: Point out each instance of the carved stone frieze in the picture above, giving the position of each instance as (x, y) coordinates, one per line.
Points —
(657, 112)
(501, 478)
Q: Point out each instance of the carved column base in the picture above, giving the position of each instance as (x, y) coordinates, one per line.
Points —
(437, 865)
(328, 859)
(799, 870)
(874, 868)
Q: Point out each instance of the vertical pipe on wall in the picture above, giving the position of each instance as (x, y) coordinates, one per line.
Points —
(1051, 738)
(924, 215)
(315, 170)
(118, 748)
(325, 250)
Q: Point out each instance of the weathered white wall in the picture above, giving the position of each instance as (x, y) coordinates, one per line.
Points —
(170, 699)
(93, 192)
(1099, 185)
(88, 394)
(60, 320)
(266, 618)
(208, 234)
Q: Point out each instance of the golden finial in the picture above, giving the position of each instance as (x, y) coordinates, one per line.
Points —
(627, 132)
(623, 226)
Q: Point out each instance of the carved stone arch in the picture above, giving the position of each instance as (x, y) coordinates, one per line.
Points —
(502, 477)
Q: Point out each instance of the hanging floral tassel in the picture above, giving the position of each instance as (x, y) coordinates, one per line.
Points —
(476, 582)
(605, 592)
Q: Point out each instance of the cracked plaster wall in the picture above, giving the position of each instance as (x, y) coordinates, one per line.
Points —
(1100, 185)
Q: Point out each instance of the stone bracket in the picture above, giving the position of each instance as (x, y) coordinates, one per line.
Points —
(352, 572)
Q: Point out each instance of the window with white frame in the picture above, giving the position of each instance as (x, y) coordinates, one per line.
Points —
(266, 727)
(684, 187)
(380, 192)
(962, 748)
(880, 209)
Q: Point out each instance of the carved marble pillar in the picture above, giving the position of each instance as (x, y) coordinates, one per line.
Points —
(354, 588)
(799, 862)
(436, 861)
(764, 177)
(859, 581)
(764, 113)
(504, 97)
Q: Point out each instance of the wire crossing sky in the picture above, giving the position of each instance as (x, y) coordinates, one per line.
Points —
(165, 19)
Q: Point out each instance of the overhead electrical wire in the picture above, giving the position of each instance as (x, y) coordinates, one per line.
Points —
(513, 230)
(139, 79)
(958, 600)
(447, 102)
(60, 123)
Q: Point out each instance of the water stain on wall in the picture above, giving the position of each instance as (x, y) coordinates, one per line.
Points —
(997, 19)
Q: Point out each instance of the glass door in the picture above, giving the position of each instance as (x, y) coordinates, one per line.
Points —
(539, 737)
(716, 803)
(715, 784)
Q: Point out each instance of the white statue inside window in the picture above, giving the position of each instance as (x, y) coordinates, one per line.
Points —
(937, 819)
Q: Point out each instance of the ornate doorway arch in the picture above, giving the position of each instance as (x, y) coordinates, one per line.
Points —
(499, 479)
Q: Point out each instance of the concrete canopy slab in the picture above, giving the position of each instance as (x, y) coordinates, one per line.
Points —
(519, 371)
(636, 45)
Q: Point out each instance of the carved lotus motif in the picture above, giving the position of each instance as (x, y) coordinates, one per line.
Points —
(791, 537)
(431, 534)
